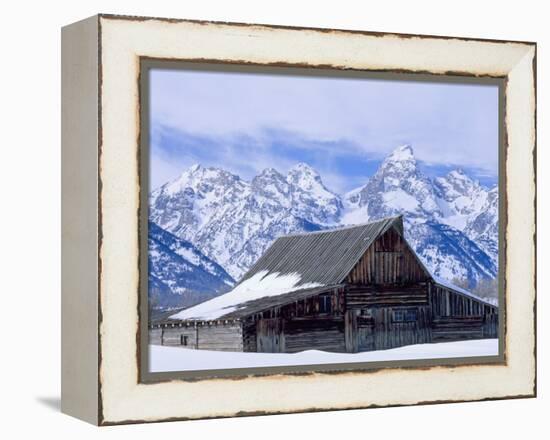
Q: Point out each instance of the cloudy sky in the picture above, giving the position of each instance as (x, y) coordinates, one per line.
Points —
(343, 127)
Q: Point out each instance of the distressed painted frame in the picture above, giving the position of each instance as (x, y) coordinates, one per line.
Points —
(101, 380)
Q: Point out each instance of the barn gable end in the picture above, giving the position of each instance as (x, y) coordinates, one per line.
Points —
(389, 260)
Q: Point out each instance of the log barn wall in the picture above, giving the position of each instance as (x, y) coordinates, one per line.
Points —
(390, 334)
(325, 334)
(204, 336)
(313, 322)
(459, 317)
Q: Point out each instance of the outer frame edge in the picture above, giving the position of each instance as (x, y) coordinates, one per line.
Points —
(79, 397)
(104, 422)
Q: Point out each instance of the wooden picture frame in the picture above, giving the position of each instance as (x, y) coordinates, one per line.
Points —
(103, 205)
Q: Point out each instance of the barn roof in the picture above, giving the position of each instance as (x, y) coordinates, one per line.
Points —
(459, 290)
(295, 263)
(324, 257)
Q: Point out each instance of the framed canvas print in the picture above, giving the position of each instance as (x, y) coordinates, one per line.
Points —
(342, 218)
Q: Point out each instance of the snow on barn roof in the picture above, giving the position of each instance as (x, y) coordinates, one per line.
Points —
(256, 294)
(258, 286)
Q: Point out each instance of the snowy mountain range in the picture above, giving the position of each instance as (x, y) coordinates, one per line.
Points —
(451, 221)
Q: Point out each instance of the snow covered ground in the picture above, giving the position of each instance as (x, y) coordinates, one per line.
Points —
(181, 359)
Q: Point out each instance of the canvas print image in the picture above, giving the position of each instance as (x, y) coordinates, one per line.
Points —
(312, 219)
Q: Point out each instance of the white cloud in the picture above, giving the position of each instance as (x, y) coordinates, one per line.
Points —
(446, 123)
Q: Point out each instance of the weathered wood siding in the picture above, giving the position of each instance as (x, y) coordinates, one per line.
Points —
(490, 325)
(249, 335)
(351, 331)
(375, 328)
(206, 336)
(222, 337)
(365, 333)
(269, 335)
(324, 304)
(451, 328)
(389, 260)
(185, 337)
(316, 322)
(155, 336)
(361, 296)
(458, 317)
(390, 334)
(326, 333)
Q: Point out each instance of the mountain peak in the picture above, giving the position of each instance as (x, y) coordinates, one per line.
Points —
(400, 163)
(458, 178)
(303, 167)
(194, 179)
(457, 173)
(270, 172)
(302, 173)
(403, 152)
(193, 172)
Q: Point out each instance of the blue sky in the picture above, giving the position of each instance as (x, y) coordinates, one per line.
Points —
(245, 122)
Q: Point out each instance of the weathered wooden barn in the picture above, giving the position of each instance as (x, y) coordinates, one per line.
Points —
(353, 289)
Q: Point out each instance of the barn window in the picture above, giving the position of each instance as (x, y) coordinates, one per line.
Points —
(367, 313)
(407, 315)
(325, 305)
(183, 340)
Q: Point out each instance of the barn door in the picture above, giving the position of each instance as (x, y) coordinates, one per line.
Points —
(365, 331)
(269, 337)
